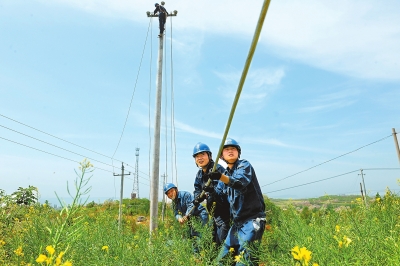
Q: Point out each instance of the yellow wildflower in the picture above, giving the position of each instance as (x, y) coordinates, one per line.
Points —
(67, 263)
(42, 258)
(237, 258)
(19, 252)
(59, 257)
(315, 264)
(337, 228)
(231, 250)
(347, 240)
(2, 243)
(301, 254)
(50, 250)
(340, 243)
(105, 248)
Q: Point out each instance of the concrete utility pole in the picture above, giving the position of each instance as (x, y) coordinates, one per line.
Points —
(157, 121)
(135, 190)
(396, 143)
(164, 176)
(120, 196)
(365, 190)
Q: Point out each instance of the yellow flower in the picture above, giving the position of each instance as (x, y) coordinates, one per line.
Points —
(105, 248)
(19, 252)
(50, 250)
(347, 240)
(59, 257)
(231, 250)
(42, 258)
(337, 228)
(301, 254)
(340, 243)
(315, 264)
(2, 243)
(67, 263)
(237, 258)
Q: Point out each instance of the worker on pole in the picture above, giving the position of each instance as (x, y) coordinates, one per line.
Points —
(162, 17)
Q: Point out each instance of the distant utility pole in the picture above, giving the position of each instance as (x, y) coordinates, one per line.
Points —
(164, 176)
(135, 190)
(396, 143)
(120, 195)
(157, 122)
(365, 190)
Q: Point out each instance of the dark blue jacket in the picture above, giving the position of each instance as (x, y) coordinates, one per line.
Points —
(183, 203)
(161, 11)
(244, 193)
(220, 197)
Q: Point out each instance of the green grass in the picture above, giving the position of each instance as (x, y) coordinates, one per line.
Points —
(89, 234)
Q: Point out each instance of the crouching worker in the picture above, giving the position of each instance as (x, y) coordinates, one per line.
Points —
(216, 197)
(182, 204)
(247, 205)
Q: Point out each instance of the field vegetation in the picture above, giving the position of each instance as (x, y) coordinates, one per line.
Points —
(86, 233)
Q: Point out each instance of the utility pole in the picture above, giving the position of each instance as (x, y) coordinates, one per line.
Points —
(365, 190)
(135, 190)
(157, 122)
(362, 194)
(396, 143)
(120, 196)
(164, 176)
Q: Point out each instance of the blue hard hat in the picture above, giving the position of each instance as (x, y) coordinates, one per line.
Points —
(156, 4)
(168, 186)
(201, 147)
(232, 143)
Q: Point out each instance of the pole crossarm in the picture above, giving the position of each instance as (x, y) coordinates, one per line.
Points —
(152, 15)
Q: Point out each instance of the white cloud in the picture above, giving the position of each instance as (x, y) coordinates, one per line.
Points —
(355, 38)
(260, 83)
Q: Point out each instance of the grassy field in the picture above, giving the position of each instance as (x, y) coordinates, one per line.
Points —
(294, 235)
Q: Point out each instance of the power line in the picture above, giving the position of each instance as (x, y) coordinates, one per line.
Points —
(43, 132)
(134, 89)
(330, 178)
(50, 153)
(327, 161)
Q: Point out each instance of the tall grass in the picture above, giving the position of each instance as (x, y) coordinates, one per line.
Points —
(88, 234)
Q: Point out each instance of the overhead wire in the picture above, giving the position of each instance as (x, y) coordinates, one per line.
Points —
(173, 117)
(48, 134)
(328, 161)
(324, 179)
(133, 93)
(84, 156)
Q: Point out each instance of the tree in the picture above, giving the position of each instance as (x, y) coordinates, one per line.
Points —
(25, 196)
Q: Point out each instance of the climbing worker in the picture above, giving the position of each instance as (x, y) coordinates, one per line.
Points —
(182, 203)
(162, 17)
(246, 203)
(216, 197)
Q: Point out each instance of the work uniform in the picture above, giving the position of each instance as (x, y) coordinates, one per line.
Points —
(247, 210)
(162, 17)
(182, 205)
(217, 202)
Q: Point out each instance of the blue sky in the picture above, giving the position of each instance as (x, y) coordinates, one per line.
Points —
(324, 81)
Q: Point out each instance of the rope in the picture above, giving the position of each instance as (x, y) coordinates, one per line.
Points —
(134, 89)
(252, 49)
(166, 107)
(151, 60)
(173, 117)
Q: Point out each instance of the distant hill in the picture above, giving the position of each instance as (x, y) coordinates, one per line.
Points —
(334, 201)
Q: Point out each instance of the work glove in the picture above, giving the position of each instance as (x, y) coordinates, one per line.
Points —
(198, 200)
(209, 188)
(214, 175)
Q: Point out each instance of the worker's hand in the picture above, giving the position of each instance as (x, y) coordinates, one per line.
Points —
(196, 202)
(209, 189)
(214, 175)
(182, 220)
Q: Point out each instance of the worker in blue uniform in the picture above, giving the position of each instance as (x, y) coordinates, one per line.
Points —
(246, 204)
(162, 17)
(215, 194)
(182, 204)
